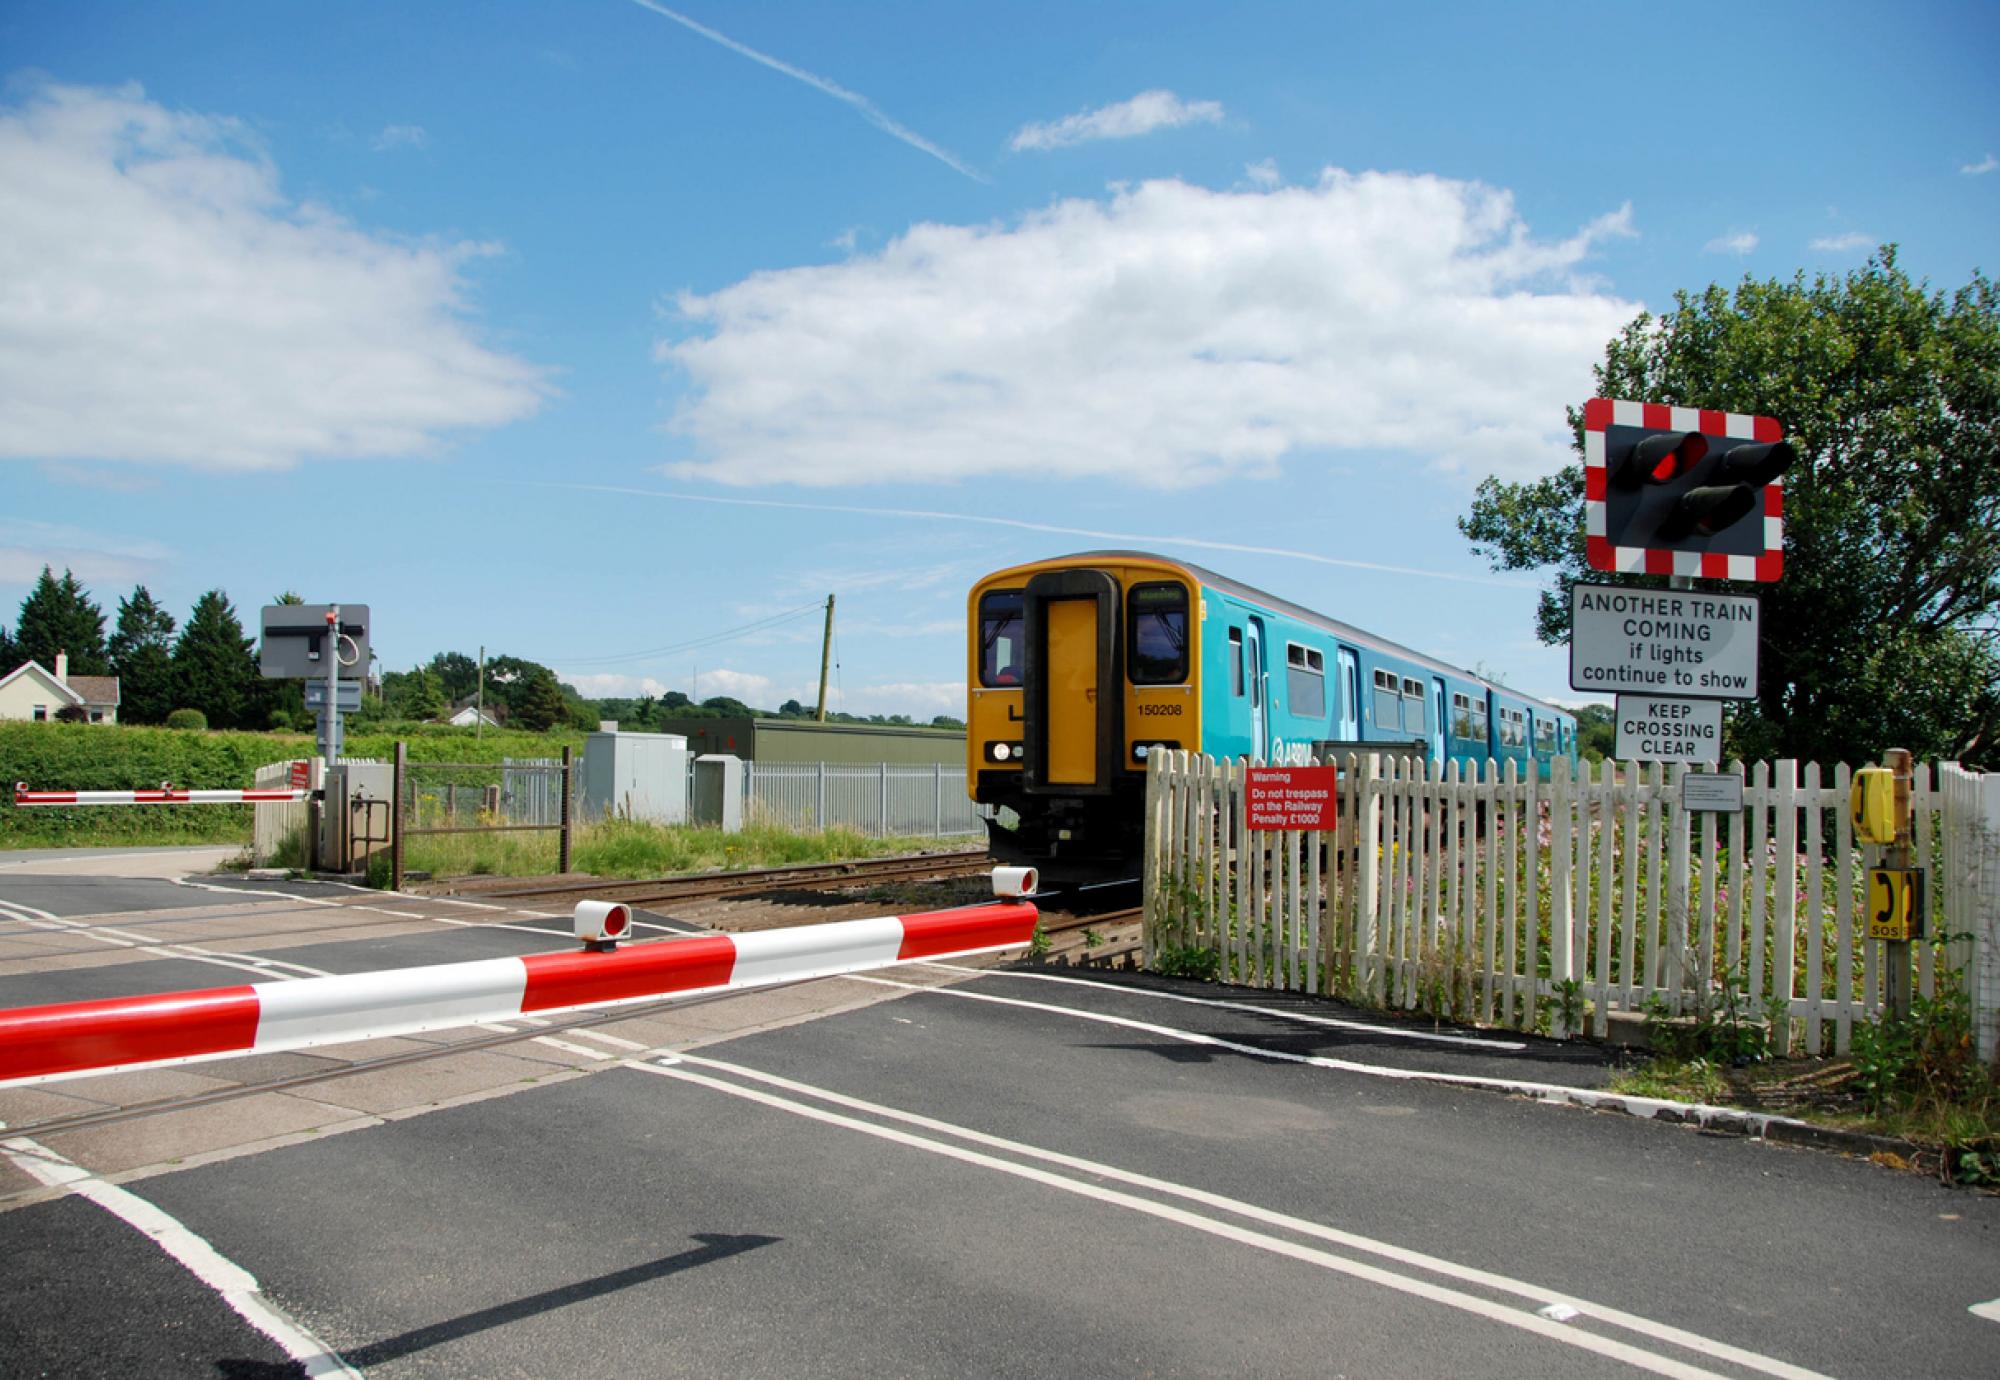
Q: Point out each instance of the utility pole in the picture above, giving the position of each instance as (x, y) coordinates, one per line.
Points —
(479, 707)
(825, 656)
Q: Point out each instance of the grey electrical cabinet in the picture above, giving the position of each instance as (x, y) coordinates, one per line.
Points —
(635, 776)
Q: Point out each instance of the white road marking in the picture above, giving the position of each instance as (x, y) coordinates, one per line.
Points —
(1400, 1032)
(1701, 1113)
(677, 1067)
(237, 1286)
(125, 939)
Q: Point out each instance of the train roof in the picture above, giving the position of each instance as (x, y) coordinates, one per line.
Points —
(1360, 637)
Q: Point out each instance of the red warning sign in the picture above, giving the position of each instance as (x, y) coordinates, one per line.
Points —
(1291, 797)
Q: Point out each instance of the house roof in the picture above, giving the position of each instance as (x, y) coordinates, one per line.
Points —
(45, 674)
(99, 690)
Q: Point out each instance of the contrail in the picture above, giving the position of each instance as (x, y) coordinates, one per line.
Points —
(833, 89)
(1134, 538)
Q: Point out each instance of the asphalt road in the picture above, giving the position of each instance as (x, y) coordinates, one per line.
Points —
(1017, 1174)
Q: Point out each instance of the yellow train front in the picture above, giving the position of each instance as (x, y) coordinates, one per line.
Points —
(1080, 667)
(1077, 668)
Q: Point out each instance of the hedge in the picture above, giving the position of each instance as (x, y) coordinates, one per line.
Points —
(115, 757)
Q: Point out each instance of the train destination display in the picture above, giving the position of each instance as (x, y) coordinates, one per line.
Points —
(1668, 642)
(1669, 730)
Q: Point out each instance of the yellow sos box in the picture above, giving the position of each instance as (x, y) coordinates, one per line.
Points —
(1872, 802)
(1895, 903)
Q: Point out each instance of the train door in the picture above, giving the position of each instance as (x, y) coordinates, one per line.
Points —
(1438, 721)
(1350, 695)
(1071, 736)
(1258, 741)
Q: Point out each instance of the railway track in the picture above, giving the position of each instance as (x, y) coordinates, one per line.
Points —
(750, 881)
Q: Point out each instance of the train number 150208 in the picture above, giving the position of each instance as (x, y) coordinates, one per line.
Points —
(1160, 711)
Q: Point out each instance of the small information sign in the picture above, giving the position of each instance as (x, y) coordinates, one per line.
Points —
(1660, 730)
(347, 695)
(1895, 903)
(1291, 797)
(1712, 792)
(1680, 642)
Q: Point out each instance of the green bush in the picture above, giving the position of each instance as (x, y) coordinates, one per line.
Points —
(187, 719)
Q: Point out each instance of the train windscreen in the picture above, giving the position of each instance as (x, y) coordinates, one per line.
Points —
(1158, 618)
(1003, 637)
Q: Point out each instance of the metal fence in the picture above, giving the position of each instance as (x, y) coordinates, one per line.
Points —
(879, 800)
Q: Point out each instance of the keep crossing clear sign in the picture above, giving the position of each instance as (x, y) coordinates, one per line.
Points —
(1663, 730)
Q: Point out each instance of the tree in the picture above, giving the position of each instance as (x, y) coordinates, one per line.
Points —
(58, 616)
(214, 668)
(1882, 632)
(415, 695)
(10, 651)
(457, 674)
(539, 705)
(141, 652)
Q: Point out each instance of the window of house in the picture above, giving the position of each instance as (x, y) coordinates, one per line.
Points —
(1236, 662)
(1157, 614)
(1305, 681)
(41, 713)
(1003, 637)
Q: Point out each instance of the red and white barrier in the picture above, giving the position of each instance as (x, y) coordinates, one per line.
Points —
(166, 795)
(42, 1043)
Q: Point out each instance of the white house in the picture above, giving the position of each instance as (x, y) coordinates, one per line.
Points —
(470, 715)
(29, 691)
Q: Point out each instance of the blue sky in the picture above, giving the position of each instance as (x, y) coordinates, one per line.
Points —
(591, 332)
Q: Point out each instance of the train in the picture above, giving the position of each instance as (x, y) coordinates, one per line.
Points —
(1080, 667)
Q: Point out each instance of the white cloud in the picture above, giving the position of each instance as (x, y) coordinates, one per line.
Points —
(1264, 174)
(96, 558)
(162, 301)
(1982, 167)
(752, 689)
(1166, 335)
(1735, 242)
(611, 686)
(1841, 244)
(1144, 113)
(401, 137)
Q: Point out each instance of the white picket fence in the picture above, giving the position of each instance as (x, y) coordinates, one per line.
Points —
(1513, 900)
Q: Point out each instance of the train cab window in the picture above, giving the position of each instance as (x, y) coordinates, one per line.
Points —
(1236, 662)
(1158, 617)
(1388, 703)
(1003, 638)
(1413, 705)
(1305, 681)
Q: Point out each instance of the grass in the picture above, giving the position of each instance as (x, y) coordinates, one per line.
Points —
(628, 848)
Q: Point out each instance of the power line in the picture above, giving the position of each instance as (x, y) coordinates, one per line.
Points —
(692, 644)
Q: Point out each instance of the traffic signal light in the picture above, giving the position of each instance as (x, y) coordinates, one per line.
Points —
(1683, 491)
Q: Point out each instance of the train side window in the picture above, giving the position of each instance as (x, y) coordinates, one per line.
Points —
(1388, 702)
(1413, 705)
(1305, 681)
(1461, 715)
(1157, 615)
(1236, 662)
(1545, 736)
(1479, 728)
(1003, 637)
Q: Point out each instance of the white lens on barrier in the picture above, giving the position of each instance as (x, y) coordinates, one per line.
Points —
(602, 922)
(1012, 883)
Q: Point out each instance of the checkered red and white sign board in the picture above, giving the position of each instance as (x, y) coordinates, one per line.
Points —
(1600, 414)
